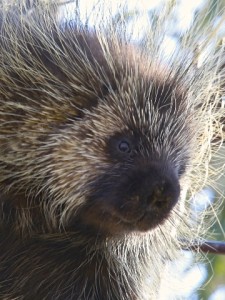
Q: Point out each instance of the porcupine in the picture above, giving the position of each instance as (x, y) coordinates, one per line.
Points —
(99, 145)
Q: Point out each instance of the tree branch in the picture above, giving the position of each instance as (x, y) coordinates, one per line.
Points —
(214, 247)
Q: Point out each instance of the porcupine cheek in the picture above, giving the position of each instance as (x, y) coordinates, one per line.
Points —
(138, 200)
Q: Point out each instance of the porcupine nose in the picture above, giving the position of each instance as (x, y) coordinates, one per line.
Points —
(160, 189)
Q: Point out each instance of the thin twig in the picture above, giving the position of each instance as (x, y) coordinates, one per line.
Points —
(215, 247)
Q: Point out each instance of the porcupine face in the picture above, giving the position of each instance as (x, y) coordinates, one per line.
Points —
(133, 150)
(116, 167)
(139, 193)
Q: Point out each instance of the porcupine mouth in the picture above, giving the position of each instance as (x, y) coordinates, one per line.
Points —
(118, 217)
(112, 223)
(147, 221)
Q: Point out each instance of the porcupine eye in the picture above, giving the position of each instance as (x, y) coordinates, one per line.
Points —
(124, 147)
(121, 146)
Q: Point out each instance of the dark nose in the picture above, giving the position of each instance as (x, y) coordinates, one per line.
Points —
(160, 188)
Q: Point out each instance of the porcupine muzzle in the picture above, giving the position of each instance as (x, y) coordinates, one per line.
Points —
(139, 199)
(151, 195)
